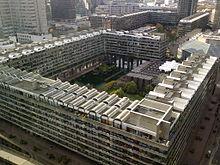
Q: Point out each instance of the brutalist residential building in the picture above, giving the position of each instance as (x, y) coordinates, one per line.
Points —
(198, 20)
(60, 58)
(134, 20)
(106, 128)
(138, 45)
(71, 57)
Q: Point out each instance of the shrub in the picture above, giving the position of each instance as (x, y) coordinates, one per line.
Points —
(119, 92)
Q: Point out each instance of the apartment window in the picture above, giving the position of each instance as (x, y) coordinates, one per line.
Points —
(131, 130)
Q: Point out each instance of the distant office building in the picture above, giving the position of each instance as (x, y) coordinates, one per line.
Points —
(217, 15)
(7, 44)
(95, 3)
(83, 7)
(118, 8)
(28, 38)
(187, 7)
(159, 2)
(49, 12)
(63, 10)
(27, 16)
(198, 20)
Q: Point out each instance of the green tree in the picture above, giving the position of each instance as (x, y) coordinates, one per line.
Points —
(110, 85)
(172, 35)
(148, 88)
(160, 28)
(131, 87)
(103, 68)
(119, 92)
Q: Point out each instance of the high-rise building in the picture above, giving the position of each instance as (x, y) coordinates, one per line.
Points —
(118, 8)
(217, 15)
(26, 16)
(186, 8)
(63, 10)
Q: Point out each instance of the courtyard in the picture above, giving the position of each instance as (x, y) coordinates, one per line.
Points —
(109, 78)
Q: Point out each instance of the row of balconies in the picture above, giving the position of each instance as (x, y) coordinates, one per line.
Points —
(65, 133)
(62, 121)
(189, 118)
(44, 124)
(37, 105)
(80, 141)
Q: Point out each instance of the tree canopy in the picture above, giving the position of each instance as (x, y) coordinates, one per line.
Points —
(119, 92)
(160, 28)
(130, 87)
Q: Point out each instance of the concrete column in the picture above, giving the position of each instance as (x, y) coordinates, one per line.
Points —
(123, 62)
(140, 62)
(128, 64)
(132, 63)
(115, 60)
(119, 62)
(137, 62)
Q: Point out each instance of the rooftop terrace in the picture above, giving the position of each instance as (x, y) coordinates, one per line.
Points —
(180, 86)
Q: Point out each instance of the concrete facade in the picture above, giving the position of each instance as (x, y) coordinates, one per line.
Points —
(106, 128)
(27, 16)
(187, 8)
(195, 21)
(118, 8)
(134, 20)
(216, 23)
(70, 57)
(63, 10)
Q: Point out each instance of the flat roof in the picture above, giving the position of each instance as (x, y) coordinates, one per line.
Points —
(149, 115)
(194, 17)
